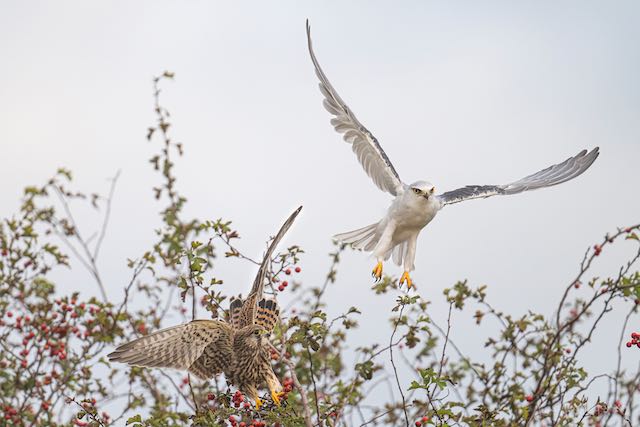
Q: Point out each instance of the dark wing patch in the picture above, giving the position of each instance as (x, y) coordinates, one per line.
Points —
(267, 314)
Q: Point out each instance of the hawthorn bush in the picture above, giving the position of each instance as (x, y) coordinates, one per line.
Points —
(53, 346)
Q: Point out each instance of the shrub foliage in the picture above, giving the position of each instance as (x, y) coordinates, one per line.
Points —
(52, 356)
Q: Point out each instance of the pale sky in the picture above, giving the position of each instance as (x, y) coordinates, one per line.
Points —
(456, 93)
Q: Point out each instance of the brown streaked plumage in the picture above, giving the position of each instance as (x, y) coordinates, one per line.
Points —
(238, 348)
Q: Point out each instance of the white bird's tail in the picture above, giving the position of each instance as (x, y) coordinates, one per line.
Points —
(364, 238)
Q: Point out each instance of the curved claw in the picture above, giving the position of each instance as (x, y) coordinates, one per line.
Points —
(276, 395)
(405, 278)
(377, 271)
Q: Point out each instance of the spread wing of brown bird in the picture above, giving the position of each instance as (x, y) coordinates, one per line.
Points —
(238, 348)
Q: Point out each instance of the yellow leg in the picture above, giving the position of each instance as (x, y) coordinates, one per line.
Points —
(276, 395)
(405, 278)
(258, 402)
(275, 388)
(377, 271)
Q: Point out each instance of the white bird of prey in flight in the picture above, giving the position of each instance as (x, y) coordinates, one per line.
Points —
(415, 205)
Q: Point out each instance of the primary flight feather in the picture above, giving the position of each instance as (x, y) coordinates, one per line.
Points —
(415, 205)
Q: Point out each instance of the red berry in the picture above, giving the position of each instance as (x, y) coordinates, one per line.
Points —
(281, 288)
(635, 335)
(425, 419)
(618, 403)
(287, 271)
(418, 423)
(298, 269)
(529, 398)
(211, 396)
(285, 283)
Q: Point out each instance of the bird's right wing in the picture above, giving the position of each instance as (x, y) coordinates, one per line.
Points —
(248, 311)
(176, 347)
(553, 175)
(369, 152)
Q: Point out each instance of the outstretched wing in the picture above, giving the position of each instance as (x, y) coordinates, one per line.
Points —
(553, 175)
(369, 152)
(248, 311)
(177, 347)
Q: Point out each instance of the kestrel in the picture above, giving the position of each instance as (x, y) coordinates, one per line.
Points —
(415, 205)
(238, 348)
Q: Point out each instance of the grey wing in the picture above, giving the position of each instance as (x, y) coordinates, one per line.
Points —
(250, 305)
(176, 347)
(369, 152)
(553, 175)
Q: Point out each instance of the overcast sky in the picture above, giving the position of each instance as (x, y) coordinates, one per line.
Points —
(457, 93)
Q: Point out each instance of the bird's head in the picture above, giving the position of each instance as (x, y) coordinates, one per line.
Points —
(253, 335)
(422, 189)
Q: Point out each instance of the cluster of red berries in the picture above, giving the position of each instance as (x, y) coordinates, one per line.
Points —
(600, 409)
(287, 386)
(47, 334)
(597, 249)
(238, 399)
(10, 412)
(635, 340)
(421, 421)
(254, 423)
(284, 284)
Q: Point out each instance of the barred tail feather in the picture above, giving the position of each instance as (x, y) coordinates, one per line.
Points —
(363, 238)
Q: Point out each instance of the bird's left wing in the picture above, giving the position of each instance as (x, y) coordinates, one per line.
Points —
(176, 347)
(369, 152)
(250, 305)
(553, 175)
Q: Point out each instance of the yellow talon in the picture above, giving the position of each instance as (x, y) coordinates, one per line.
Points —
(275, 395)
(405, 278)
(377, 271)
(258, 403)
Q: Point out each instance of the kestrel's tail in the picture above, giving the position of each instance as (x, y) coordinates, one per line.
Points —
(364, 238)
